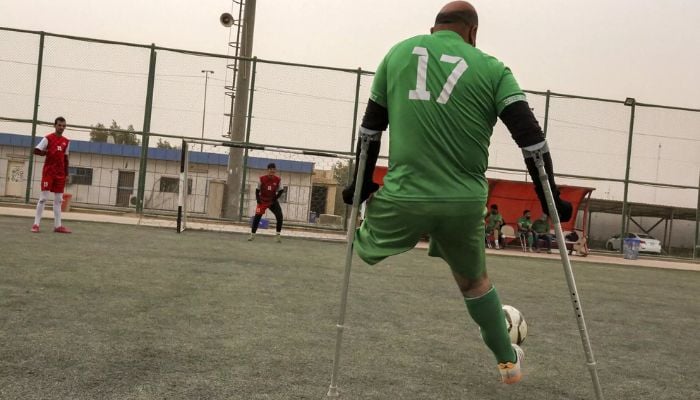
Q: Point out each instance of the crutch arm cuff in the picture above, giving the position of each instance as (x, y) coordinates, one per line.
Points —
(564, 208)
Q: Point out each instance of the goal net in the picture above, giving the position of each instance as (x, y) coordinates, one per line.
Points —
(313, 181)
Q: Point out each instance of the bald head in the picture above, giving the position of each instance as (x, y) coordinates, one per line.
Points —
(459, 17)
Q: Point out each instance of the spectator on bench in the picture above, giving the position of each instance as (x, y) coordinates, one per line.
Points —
(494, 222)
(525, 232)
(541, 228)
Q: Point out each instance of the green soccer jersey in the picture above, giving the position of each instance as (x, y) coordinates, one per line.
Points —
(494, 220)
(524, 223)
(443, 97)
(540, 226)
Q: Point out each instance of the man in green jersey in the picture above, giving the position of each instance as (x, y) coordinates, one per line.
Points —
(494, 222)
(540, 229)
(441, 96)
(525, 232)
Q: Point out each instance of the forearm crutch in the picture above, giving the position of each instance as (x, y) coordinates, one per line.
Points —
(361, 165)
(575, 300)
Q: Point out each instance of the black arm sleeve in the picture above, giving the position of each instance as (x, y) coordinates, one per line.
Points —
(376, 117)
(522, 124)
(257, 195)
(526, 131)
(372, 156)
(564, 208)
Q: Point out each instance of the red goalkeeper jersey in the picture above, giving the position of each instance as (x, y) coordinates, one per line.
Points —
(56, 148)
(269, 186)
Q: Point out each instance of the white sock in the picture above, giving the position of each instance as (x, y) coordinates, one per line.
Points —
(496, 242)
(57, 200)
(40, 207)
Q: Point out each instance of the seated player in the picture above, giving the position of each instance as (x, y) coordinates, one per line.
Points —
(494, 222)
(541, 230)
(54, 147)
(525, 232)
(267, 194)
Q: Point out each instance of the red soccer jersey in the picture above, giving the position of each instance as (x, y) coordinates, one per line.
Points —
(56, 148)
(269, 185)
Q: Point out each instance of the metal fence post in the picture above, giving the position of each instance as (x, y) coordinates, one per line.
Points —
(631, 102)
(247, 137)
(146, 130)
(697, 222)
(356, 106)
(546, 112)
(352, 138)
(30, 169)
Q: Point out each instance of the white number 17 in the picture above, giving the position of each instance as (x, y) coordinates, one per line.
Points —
(421, 91)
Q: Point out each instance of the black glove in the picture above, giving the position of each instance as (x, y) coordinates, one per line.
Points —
(564, 208)
(279, 194)
(367, 189)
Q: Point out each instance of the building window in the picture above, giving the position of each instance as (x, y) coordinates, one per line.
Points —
(172, 185)
(80, 176)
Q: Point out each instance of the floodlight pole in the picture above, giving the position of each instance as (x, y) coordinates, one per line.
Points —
(237, 123)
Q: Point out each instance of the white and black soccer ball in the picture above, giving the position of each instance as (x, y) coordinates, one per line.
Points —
(515, 322)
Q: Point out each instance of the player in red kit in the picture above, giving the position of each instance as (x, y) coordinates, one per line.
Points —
(54, 147)
(267, 195)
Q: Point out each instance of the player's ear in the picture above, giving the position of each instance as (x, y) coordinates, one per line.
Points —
(472, 35)
(431, 30)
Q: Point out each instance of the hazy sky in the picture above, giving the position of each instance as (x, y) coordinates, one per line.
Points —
(611, 49)
(646, 49)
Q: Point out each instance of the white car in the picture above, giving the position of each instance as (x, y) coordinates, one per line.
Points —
(647, 244)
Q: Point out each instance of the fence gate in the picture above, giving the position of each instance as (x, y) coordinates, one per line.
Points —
(125, 187)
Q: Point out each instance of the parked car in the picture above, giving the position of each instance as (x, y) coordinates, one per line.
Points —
(647, 244)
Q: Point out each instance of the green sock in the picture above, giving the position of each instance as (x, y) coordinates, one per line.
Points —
(487, 312)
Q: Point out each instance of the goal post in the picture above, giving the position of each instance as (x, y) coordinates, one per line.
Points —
(313, 180)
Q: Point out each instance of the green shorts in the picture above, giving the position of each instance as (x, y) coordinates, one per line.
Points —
(456, 231)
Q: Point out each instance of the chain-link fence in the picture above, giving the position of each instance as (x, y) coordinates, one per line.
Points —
(129, 106)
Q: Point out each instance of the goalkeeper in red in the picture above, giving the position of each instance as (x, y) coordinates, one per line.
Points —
(267, 195)
(441, 96)
(54, 147)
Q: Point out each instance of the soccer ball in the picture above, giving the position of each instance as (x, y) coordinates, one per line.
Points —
(515, 322)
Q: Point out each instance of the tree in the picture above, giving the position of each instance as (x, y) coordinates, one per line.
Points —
(164, 144)
(100, 133)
